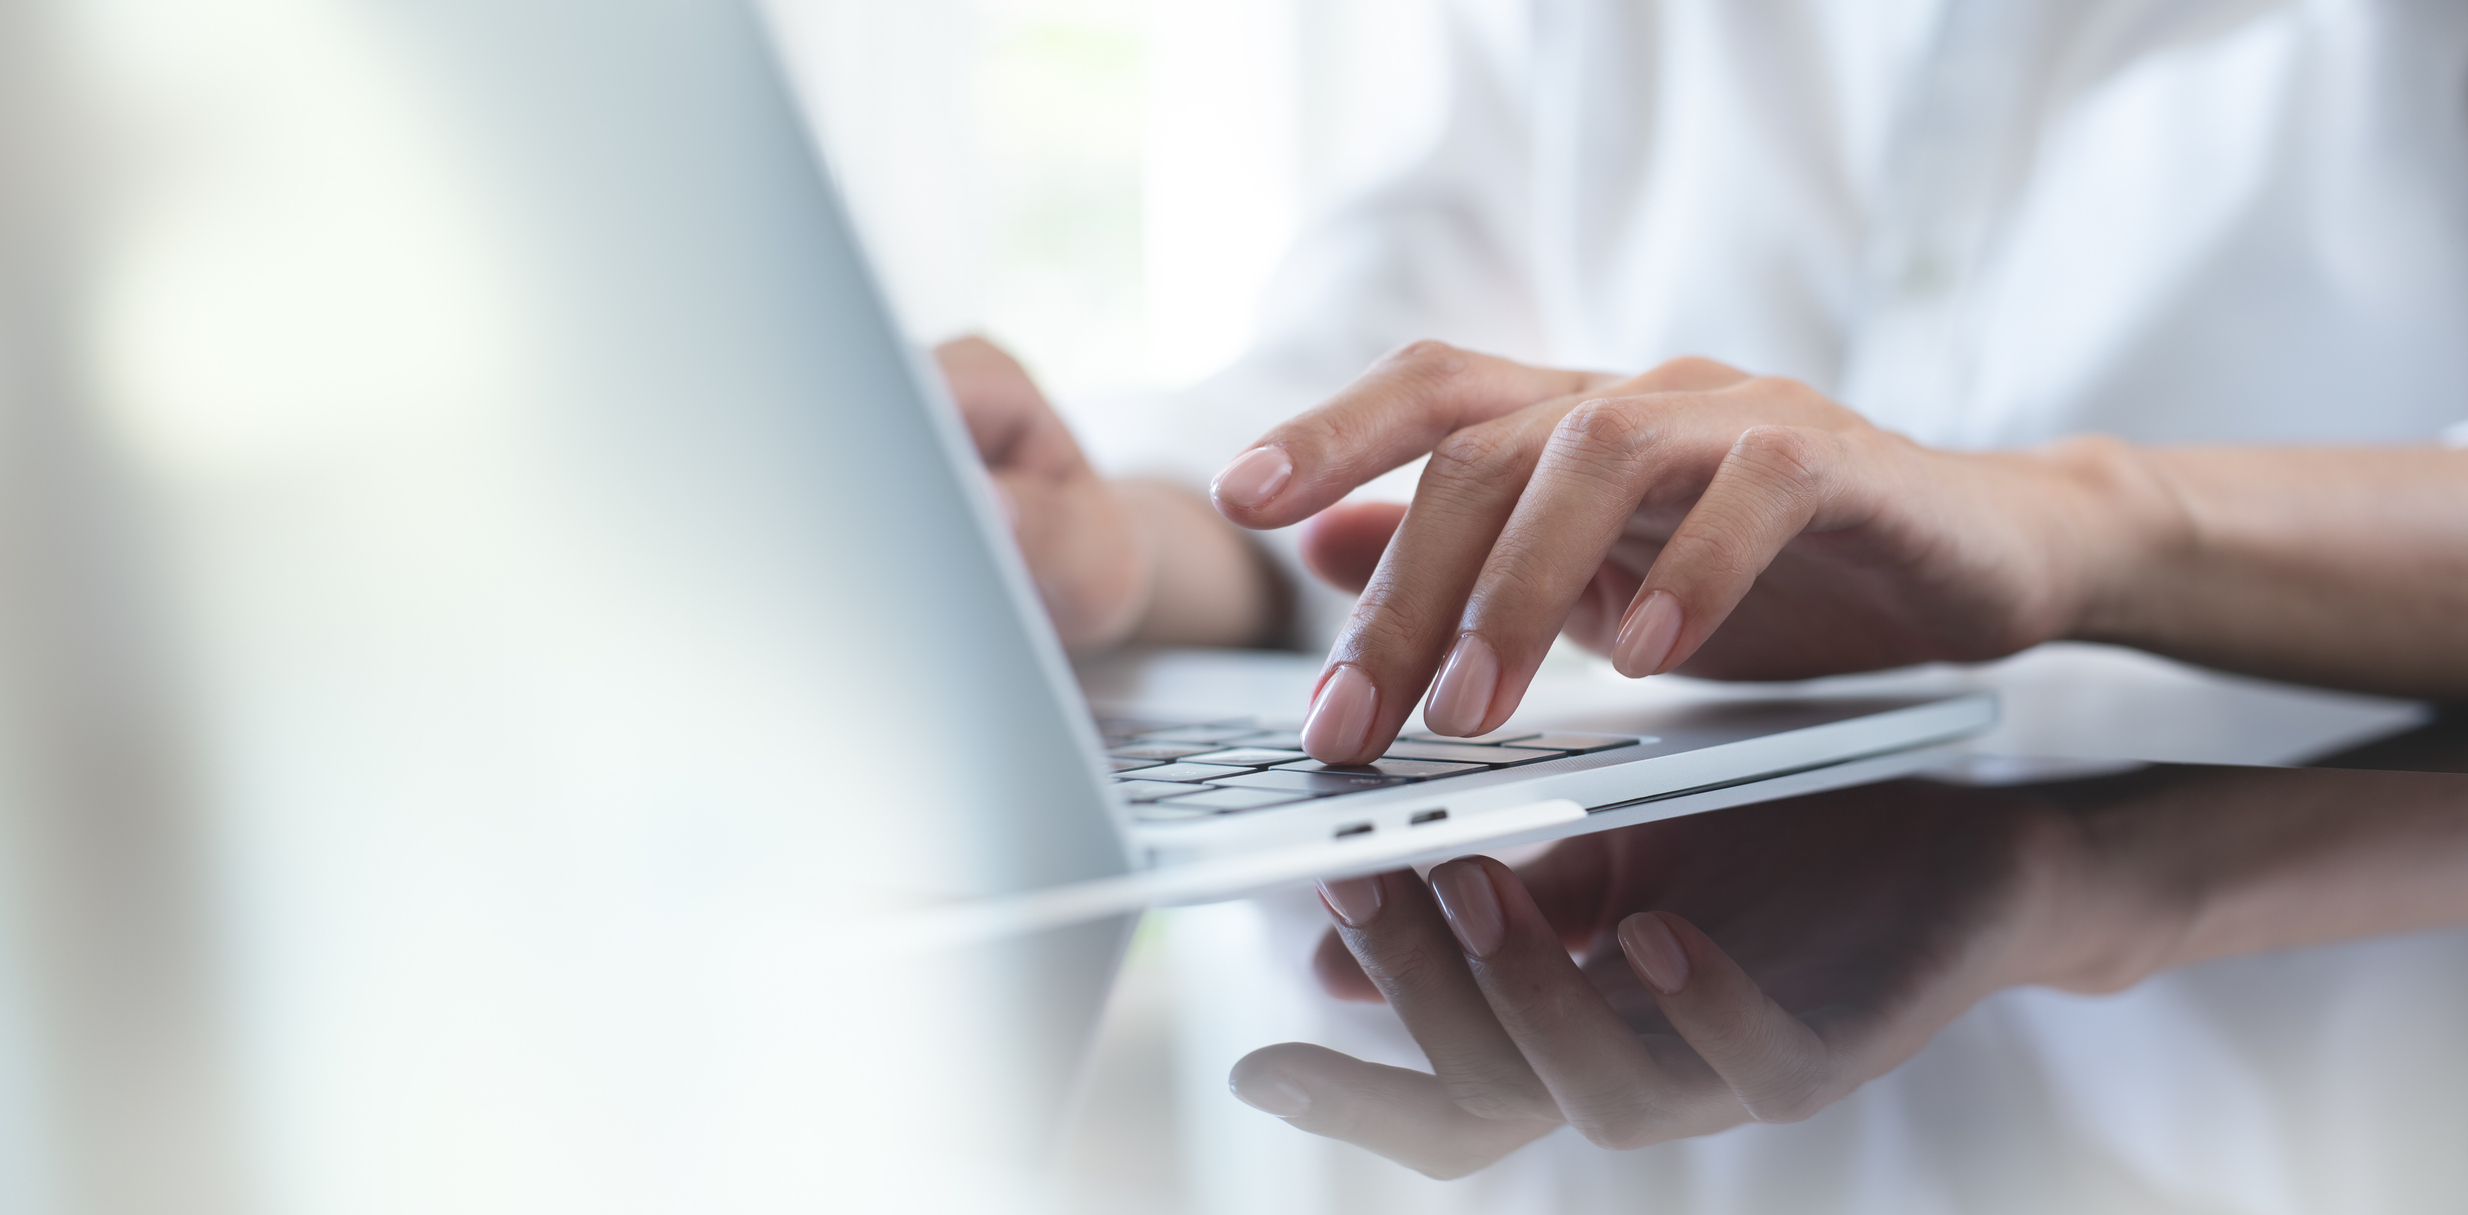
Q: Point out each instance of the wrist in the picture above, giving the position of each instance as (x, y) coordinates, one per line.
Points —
(2129, 532)
(2099, 917)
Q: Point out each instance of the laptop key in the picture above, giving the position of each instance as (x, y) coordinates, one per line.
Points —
(1316, 784)
(1407, 769)
(1158, 752)
(1149, 790)
(1131, 765)
(1168, 812)
(1461, 753)
(1218, 734)
(1236, 799)
(1581, 743)
(1193, 773)
(1510, 734)
(1248, 757)
(1274, 740)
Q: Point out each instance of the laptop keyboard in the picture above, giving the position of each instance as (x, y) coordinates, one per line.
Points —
(1186, 771)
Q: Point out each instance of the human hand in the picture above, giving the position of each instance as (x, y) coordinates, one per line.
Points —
(1091, 563)
(1753, 964)
(1643, 515)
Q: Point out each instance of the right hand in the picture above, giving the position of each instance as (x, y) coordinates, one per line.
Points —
(1751, 964)
(1641, 515)
(1092, 564)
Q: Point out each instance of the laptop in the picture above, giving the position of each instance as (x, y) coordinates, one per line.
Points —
(583, 635)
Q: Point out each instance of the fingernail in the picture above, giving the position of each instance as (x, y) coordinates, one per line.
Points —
(1340, 721)
(1647, 635)
(1272, 1094)
(1656, 952)
(1353, 900)
(1472, 907)
(1253, 478)
(1462, 697)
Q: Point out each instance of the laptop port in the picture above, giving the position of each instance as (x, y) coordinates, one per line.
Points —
(1426, 816)
(1353, 829)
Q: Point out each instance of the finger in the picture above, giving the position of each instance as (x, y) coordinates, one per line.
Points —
(1775, 483)
(1780, 1069)
(1340, 975)
(1395, 931)
(1601, 460)
(1342, 545)
(1398, 410)
(1604, 1079)
(1393, 642)
(1405, 1115)
(1007, 416)
(1568, 884)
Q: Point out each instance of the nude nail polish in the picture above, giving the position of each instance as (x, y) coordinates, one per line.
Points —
(1353, 900)
(1462, 697)
(1472, 907)
(1253, 478)
(1339, 726)
(1647, 636)
(1274, 1094)
(1655, 951)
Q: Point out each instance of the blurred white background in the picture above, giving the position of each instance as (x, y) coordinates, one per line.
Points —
(1105, 185)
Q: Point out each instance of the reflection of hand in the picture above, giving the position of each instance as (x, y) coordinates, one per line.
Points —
(1091, 563)
(1641, 514)
(1750, 964)
(1760, 962)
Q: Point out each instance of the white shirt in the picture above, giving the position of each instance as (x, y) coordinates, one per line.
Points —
(1981, 222)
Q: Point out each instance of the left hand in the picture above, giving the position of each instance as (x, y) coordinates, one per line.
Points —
(1092, 564)
(1753, 964)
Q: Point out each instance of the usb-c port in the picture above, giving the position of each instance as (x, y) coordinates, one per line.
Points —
(1353, 829)
(1426, 816)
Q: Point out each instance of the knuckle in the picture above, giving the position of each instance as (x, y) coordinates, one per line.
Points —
(1693, 369)
(1620, 1128)
(1792, 1098)
(1792, 455)
(1475, 455)
(1428, 356)
(1613, 426)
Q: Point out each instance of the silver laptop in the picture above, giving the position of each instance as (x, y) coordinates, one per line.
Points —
(577, 610)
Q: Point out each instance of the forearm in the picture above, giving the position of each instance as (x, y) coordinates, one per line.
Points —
(1209, 583)
(2344, 568)
(2228, 862)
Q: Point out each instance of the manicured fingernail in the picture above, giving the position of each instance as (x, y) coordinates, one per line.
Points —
(1462, 697)
(1272, 1094)
(1653, 949)
(1647, 635)
(1353, 900)
(1253, 478)
(1472, 907)
(1340, 722)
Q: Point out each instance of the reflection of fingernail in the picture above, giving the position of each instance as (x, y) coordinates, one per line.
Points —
(1253, 478)
(1273, 1094)
(1353, 900)
(1340, 721)
(1472, 907)
(1647, 635)
(1462, 697)
(1656, 952)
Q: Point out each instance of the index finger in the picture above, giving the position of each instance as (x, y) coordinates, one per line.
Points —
(1400, 409)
